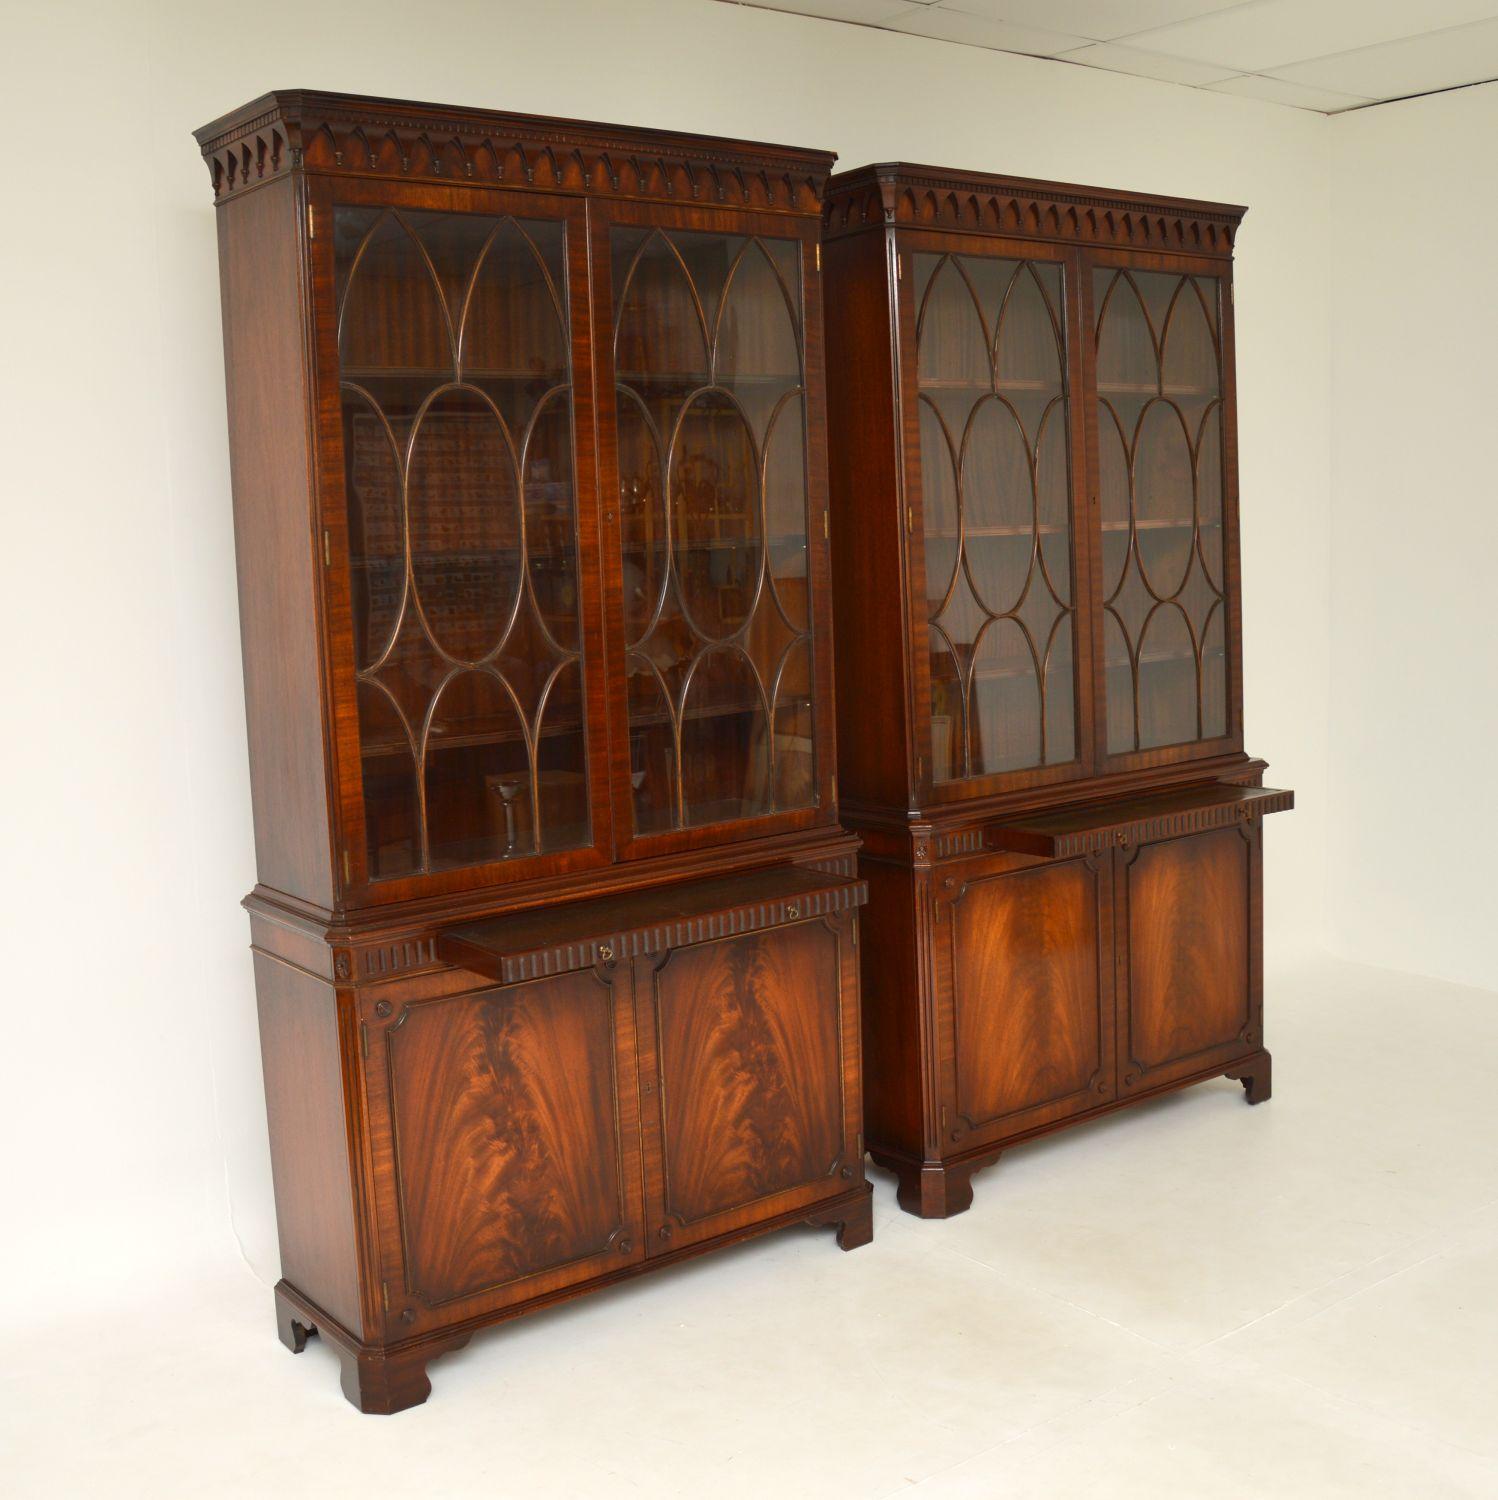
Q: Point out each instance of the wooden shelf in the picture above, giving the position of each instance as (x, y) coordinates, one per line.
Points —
(1155, 658)
(374, 749)
(557, 939)
(698, 379)
(1129, 388)
(363, 374)
(1069, 832)
(1000, 531)
(1020, 387)
(796, 543)
(1169, 525)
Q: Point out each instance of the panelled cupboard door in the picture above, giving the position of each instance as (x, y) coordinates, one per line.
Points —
(1023, 968)
(713, 462)
(1189, 946)
(1160, 411)
(995, 468)
(459, 535)
(748, 1077)
(504, 1133)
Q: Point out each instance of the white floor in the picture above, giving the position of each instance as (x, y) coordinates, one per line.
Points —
(1191, 1299)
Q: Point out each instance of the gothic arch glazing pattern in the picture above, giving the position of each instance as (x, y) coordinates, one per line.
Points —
(996, 502)
(456, 391)
(711, 420)
(1159, 376)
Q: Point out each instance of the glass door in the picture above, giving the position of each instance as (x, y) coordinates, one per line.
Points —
(467, 619)
(997, 572)
(1161, 360)
(719, 575)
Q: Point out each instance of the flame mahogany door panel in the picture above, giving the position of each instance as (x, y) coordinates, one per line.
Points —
(1189, 951)
(1024, 996)
(504, 1133)
(748, 1077)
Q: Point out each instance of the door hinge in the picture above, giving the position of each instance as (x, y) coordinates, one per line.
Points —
(819, 255)
(385, 1294)
(327, 549)
(826, 526)
(899, 266)
(834, 786)
(348, 869)
(1232, 298)
(364, 1037)
(910, 518)
(311, 224)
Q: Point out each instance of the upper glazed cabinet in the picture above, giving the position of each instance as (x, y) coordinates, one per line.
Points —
(1070, 499)
(1035, 529)
(570, 508)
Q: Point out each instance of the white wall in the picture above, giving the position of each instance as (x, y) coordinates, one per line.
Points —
(131, 1063)
(1414, 700)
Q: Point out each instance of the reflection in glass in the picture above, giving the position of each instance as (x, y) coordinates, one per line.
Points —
(711, 429)
(457, 434)
(996, 505)
(1160, 451)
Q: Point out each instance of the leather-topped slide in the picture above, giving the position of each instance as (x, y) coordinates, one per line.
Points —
(1070, 831)
(559, 939)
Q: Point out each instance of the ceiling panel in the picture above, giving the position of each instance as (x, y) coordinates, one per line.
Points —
(870, 12)
(1280, 91)
(957, 26)
(1269, 34)
(1325, 55)
(1118, 59)
(1417, 65)
(1102, 19)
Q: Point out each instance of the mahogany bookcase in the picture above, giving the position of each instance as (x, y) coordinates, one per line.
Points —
(1035, 546)
(555, 929)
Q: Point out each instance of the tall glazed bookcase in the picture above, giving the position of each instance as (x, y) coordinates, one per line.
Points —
(1035, 543)
(555, 929)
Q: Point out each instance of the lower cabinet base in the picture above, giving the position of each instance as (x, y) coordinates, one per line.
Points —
(390, 1379)
(940, 1189)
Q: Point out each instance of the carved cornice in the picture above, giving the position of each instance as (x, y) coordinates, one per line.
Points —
(896, 194)
(303, 128)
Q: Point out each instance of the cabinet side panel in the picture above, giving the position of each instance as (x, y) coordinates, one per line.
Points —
(867, 566)
(896, 1053)
(309, 1151)
(266, 374)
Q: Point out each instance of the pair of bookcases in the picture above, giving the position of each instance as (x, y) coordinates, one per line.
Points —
(548, 493)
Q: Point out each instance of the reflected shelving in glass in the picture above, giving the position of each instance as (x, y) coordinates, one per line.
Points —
(711, 424)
